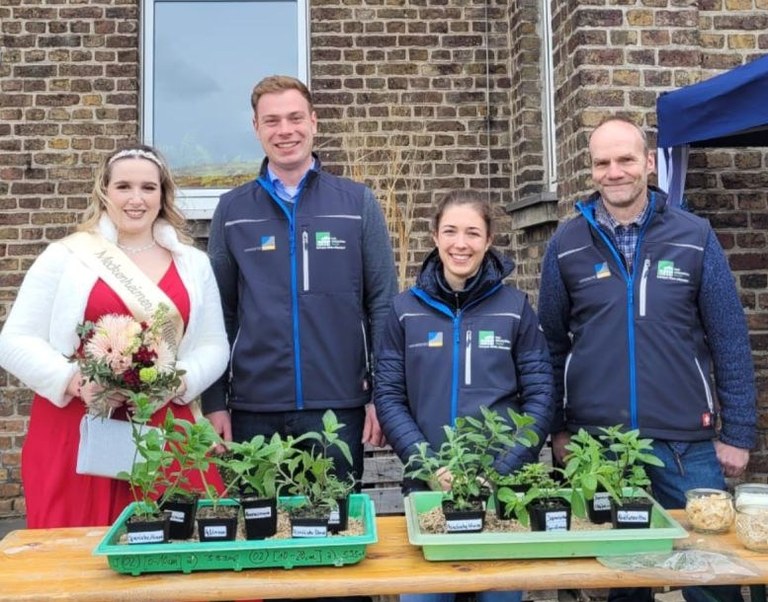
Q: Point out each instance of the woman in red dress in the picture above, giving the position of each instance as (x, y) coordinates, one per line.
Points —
(133, 213)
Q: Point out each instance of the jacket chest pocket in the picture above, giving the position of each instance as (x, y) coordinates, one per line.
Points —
(329, 254)
(666, 290)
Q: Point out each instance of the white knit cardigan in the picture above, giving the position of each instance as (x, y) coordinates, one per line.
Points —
(39, 333)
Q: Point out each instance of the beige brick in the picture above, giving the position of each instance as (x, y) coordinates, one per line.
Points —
(742, 41)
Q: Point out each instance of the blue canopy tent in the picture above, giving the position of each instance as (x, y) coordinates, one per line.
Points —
(730, 109)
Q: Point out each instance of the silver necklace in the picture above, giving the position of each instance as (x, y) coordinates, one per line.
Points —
(134, 250)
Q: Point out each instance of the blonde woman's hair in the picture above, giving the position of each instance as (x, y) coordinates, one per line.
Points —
(99, 201)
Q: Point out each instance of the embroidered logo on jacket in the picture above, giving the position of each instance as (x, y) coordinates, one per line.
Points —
(666, 270)
(268, 243)
(487, 339)
(602, 270)
(325, 240)
(435, 339)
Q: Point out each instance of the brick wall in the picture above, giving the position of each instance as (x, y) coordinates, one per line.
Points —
(449, 89)
(427, 82)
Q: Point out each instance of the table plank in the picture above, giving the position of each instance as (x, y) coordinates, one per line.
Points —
(57, 564)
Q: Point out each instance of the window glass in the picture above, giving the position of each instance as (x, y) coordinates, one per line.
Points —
(201, 60)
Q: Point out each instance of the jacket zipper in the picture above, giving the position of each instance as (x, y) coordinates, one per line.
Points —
(644, 285)
(565, 379)
(705, 382)
(456, 366)
(365, 349)
(468, 359)
(232, 356)
(305, 258)
(290, 214)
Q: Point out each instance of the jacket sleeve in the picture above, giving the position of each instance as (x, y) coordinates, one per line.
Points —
(534, 372)
(205, 354)
(554, 315)
(379, 277)
(226, 272)
(390, 393)
(25, 344)
(728, 338)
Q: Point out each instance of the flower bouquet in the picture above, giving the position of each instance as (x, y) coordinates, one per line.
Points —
(123, 361)
(120, 357)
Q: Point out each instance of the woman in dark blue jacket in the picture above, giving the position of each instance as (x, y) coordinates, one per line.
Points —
(458, 340)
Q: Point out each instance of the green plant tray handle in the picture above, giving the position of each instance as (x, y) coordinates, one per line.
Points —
(530, 544)
(188, 556)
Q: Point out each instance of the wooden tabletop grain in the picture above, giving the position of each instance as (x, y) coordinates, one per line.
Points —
(58, 563)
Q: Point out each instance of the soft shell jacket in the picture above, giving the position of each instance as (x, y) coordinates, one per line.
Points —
(637, 349)
(302, 285)
(40, 331)
(438, 362)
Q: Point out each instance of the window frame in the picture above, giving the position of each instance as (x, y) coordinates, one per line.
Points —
(198, 203)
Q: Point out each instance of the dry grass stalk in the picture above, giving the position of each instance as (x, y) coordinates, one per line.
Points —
(394, 179)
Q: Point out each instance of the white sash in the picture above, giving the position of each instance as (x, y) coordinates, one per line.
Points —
(138, 292)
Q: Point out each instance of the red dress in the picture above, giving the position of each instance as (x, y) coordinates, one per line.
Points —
(56, 496)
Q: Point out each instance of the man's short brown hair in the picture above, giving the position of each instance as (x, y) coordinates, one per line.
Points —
(279, 83)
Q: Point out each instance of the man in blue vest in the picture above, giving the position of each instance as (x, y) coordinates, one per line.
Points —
(639, 307)
(306, 272)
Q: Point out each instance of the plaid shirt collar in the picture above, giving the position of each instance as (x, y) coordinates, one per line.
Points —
(625, 237)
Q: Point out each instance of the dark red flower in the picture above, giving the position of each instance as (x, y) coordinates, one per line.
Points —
(144, 356)
(131, 379)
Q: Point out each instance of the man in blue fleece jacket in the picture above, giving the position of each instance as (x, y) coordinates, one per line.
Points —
(306, 273)
(639, 308)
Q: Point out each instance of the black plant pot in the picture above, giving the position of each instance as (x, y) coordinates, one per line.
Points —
(599, 508)
(339, 518)
(309, 526)
(141, 531)
(260, 517)
(222, 527)
(182, 513)
(632, 513)
(464, 521)
(550, 516)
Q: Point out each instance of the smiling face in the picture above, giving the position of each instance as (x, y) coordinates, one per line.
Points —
(134, 198)
(462, 239)
(286, 126)
(621, 164)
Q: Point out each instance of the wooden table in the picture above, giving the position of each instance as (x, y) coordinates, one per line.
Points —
(48, 563)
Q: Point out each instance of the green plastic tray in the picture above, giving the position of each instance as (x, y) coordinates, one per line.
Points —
(186, 557)
(555, 544)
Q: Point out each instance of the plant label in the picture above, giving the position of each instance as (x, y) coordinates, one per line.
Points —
(256, 513)
(146, 537)
(215, 531)
(632, 516)
(601, 501)
(177, 516)
(457, 526)
(309, 531)
(556, 521)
